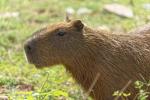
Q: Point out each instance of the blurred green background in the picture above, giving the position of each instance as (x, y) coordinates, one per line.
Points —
(20, 18)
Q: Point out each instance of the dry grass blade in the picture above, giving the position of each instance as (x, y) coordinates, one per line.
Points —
(91, 87)
(67, 17)
(123, 89)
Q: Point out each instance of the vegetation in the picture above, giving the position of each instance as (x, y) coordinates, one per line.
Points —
(18, 79)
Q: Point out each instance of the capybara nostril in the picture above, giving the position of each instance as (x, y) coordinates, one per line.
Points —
(28, 47)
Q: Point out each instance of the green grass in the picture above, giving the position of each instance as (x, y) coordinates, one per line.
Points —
(34, 14)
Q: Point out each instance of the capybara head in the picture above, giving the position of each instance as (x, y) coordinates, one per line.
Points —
(55, 44)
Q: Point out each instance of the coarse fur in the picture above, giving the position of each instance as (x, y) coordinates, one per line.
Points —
(85, 52)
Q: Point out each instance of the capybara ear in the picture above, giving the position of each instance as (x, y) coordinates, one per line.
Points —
(78, 25)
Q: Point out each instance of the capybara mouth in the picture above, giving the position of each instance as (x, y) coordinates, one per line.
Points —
(29, 58)
(33, 60)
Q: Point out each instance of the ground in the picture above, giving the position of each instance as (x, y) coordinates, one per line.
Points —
(18, 79)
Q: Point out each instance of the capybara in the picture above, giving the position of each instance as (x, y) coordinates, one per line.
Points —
(85, 52)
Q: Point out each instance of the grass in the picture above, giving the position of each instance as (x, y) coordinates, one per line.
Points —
(34, 14)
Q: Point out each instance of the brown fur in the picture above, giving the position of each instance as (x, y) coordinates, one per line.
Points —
(85, 52)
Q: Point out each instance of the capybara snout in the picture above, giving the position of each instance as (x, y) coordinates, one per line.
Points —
(30, 49)
(29, 46)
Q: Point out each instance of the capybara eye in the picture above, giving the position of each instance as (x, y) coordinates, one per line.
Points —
(61, 33)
